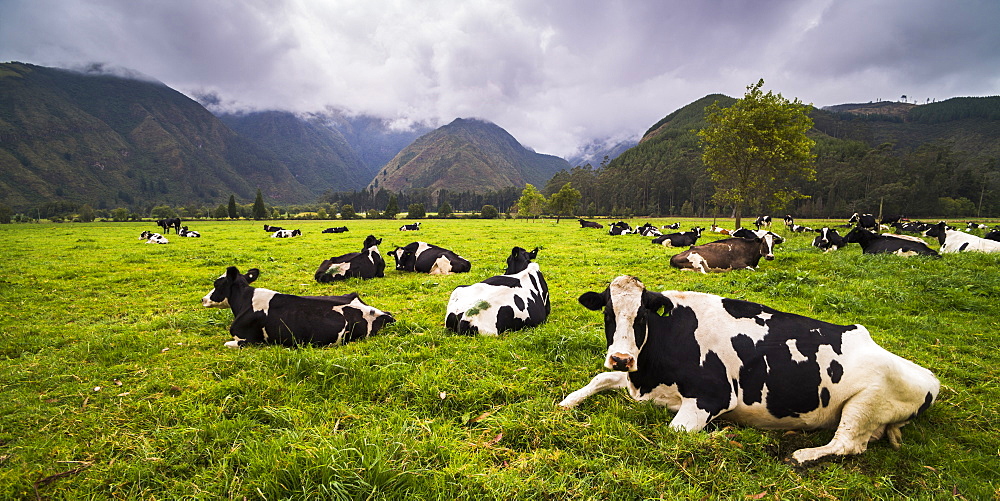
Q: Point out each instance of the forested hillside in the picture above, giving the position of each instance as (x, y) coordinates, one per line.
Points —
(937, 159)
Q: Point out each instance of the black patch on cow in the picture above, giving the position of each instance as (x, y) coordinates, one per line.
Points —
(519, 303)
(835, 371)
(753, 369)
(963, 246)
(928, 400)
(503, 281)
(506, 320)
(824, 397)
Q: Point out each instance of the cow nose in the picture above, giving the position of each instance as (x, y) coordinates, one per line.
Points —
(622, 362)
(769, 257)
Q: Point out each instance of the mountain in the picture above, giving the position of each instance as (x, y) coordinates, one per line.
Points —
(374, 140)
(466, 155)
(111, 141)
(317, 156)
(937, 159)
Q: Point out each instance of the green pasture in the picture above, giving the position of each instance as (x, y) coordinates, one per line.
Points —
(116, 384)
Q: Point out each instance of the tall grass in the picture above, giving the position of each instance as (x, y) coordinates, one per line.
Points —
(116, 383)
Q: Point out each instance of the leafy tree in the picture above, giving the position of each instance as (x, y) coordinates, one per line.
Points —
(444, 210)
(87, 214)
(755, 148)
(347, 211)
(120, 214)
(489, 212)
(220, 212)
(532, 203)
(232, 210)
(259, 210)
(5, 212)
(392, 208)
(417, 211)
(564, 201)
(162, 212)
(321, 213)
(373, 214)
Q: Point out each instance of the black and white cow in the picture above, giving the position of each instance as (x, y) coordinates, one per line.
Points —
(685, 239)
(891, 220)
(762, 221)
(648, 230)
(185, 232)
(671, 226)
(153, 238)
(863, 220)
(729, 254)
(957, 241)
(262, 316)
(872, 243)
(410, 227)
(828, 239)
(748, 233)
(589, 224)
(992, 235)
(620, 228)
(170, 222)
(976, 226)
(271, 229)
(789, 220)
(423, 257)
(795, 228)
(365, 264)
(519, 298)
(339, 229)
(707, 357)
(286, 233)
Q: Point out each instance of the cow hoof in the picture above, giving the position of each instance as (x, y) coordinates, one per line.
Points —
(233, 344)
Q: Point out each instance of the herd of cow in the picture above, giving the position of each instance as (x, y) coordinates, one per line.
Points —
(701, 355)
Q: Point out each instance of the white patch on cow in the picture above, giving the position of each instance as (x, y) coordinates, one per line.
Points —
(207, 302)
(235, 343)
(626, 300)
(797, 356)
(901, 252)
(261, 299)
(442, 266)
(954, 240)
(338, 269)
(905, 237)
(698, 263)
(421, 247)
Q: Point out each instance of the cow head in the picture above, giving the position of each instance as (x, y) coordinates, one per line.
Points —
(767, 243)
(226, 284)
(371, 241)
(519, 259)
(627, 305)
(938, 231)
(404, 256)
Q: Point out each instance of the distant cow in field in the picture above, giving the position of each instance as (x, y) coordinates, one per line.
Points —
(423, 257)
(872, 243)
(956, 241)
(671, 226)
(789, 220)
(170, 222)
(271, 229)
(863, 220)
(721, 231)
(620, 228)
(648, 230)
(976, 226)
(519, 298)
(828, 240)
(724, 255)
(365, 264)
(339, 229)
(153, 238)
(262, 316)
(286, 233)
(685, 239)
(707, 357)
(764, 221)
(993, 235)
(589, 224)
(410, 227)
(795, 228)
(890, 220)
(185, 232)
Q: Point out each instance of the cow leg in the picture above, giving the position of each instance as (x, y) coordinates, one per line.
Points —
(600, 382)
(690, 417)
(859, 423)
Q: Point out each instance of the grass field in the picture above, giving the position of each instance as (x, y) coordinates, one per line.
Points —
(116, 384)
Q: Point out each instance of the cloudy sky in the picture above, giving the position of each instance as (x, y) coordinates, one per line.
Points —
(554, 73)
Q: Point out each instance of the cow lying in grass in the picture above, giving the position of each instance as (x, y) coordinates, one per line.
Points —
(423, 257)
(518, 298)
(707, 357)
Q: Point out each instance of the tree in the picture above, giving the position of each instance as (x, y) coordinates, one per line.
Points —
(162, 212)
(444, 210)
(489, 212)
(347, 211)
(87, 214)
(5, 212)
(392, 208)
(416, 211)
(532, 203)
(564, 201)
(259, 210)
(755, 148)
(232, 210)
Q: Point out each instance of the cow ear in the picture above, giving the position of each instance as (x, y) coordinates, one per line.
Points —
(231, 273)
(252, 275)
(592, 300)
(653, 301)
(534, 253)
